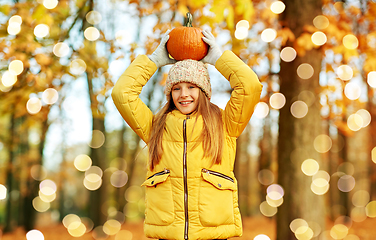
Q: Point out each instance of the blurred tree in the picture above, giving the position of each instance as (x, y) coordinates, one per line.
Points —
(298, 134)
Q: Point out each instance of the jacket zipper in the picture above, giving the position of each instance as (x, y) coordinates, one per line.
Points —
(217, 174)
(185, 178)
(165, 171)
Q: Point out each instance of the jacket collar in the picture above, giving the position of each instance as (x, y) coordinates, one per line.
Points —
(178, 114)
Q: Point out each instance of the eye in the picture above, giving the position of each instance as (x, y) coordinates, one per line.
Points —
(175, 88)
(191, 87)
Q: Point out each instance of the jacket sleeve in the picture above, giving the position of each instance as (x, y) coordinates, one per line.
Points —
(125, 95)
(245, 95)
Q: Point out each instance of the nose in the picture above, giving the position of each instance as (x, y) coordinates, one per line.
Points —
(184, 92)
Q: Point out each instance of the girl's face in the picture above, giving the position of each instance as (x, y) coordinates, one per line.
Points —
(185, 96)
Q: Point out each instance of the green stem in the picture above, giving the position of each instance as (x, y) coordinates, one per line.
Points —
(188, 20)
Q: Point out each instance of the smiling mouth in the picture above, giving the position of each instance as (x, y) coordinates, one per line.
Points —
(186, 102)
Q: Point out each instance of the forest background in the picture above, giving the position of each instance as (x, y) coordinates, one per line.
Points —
(305, 163)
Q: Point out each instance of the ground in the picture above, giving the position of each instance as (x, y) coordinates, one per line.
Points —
(254, 226)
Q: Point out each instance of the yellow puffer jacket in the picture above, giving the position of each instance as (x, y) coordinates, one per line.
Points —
(186, 197)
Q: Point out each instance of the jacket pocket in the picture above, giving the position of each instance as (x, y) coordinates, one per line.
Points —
(216, 199)
(158, 200)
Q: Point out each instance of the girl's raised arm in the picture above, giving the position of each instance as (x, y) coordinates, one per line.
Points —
(247, 87)
(127, 89)
(245, 95)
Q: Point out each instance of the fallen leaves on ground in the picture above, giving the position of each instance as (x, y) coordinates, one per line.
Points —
(252, 226)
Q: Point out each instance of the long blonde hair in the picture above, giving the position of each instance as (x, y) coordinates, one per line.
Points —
(212, 135)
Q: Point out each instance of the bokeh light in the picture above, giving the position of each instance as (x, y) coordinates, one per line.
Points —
(124, 235)
(47, 198)
(69, 219)
(61, 49)
(310, 167)
(50, 96)
(13, 28)
(261, 237)
(299, 109)
(3, 192)
(350, 41)
(344, 72)
(40, 205)
(322, 143)
(346, 183)
(17, 19)
(351, 237)
(261, 110)
(93, 17)
(305, 71)
(111, 227)
(41, 30)
(273, 202)
(319, 38)
(16, 67)
(277, 100)
(77, 67)
(76, 229)
(268, 35)
(241, 33)
(366, 116)
(288, 54)
(119, 178)
(242, 23)
(33, 105)
(275, 191)
(371, 209)
(50, 4)
(304, 233)
(321, 22)
(352, 91)
(339, 231)
(320, 182)
(267, 210)
(373, 154)
(297, 223)
(97, 140)
(82, 162)
(371, 79)
(360, 198)
(277, 7)
(319, 190)
(265, 177)
(94, 174)
(355, 122)
(48, 187)
(34, 235)
(8, 79)
(38, 172)
(91, 33)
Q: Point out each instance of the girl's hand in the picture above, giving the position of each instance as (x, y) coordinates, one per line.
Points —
(160, 56)
(214, 52)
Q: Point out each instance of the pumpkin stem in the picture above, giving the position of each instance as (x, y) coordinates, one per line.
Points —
(188, 20)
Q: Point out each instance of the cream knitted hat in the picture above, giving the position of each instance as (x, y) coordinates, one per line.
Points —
(189, 71)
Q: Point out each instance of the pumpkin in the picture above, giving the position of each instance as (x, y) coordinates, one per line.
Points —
(186, 42)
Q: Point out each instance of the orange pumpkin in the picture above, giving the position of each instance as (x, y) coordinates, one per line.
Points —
(186, 42)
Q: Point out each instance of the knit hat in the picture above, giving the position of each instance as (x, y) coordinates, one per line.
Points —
(191, 71)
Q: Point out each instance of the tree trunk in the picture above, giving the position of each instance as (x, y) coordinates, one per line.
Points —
(298, 134)
(98, 157)
(10, 181)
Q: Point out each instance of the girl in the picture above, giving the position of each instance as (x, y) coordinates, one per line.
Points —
(191, 191)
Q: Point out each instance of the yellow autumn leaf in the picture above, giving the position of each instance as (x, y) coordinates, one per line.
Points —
(230, 18)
